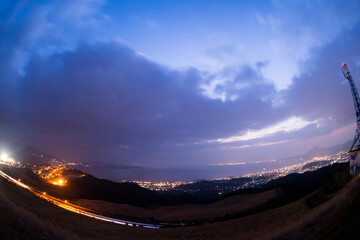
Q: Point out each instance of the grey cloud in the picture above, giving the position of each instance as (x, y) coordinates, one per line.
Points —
(103, 101)
(106, 95)
(322, 91)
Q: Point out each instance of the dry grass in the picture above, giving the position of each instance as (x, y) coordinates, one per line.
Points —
(186, 212)
(24, 216)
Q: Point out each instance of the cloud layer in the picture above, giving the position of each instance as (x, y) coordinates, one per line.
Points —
(67, 90)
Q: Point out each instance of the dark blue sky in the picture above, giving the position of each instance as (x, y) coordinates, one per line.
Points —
(177, 83)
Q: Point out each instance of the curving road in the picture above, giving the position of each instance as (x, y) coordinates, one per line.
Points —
(75, 208)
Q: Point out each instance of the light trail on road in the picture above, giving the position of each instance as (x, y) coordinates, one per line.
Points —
(75, 208)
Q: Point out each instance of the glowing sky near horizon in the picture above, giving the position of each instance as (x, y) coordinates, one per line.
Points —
(177, 83)
(290, 125)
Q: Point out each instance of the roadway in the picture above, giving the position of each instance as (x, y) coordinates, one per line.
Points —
(75, 208)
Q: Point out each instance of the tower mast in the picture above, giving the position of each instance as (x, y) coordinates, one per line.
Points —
(355, 95)
(354, 153)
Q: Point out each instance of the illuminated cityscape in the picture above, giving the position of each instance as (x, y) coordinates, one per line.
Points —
(212, 119)
(52, 174)
(55, 174)
(253, 180)
(160, 186)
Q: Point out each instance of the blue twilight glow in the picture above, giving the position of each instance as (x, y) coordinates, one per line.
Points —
(177, 83)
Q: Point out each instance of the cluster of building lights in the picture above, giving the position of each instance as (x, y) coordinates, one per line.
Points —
(307, 166)
(159, 186)
(257, 178)
(302, 167)
(52, 174)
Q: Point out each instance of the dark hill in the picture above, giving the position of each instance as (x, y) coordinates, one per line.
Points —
(25, 216)
(90, 187)
(309, 181)
(293, 187)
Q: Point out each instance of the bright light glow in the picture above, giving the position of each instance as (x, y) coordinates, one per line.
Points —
(290, 125)
(4, 157)
(59, 182)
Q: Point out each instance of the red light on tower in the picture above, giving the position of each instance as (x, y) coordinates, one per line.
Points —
(346, 71)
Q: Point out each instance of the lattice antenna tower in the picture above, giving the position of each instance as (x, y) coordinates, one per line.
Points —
(356, 99)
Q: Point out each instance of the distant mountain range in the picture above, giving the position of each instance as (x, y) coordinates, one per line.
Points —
(319, 152)
(291, 187)
(26, 154)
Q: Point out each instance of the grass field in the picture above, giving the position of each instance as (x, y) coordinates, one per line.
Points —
(25, 216)
(188, 212)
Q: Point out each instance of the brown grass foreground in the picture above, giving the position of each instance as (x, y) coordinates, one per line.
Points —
(187, 212)
(24, 216)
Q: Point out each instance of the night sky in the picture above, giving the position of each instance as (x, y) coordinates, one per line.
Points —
(178, 83)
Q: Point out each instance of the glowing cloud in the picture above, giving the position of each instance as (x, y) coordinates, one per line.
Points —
(290, 125)
(259, 144)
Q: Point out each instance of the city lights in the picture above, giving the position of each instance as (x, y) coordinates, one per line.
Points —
(59, 182)
(256, 179)
(52, 174)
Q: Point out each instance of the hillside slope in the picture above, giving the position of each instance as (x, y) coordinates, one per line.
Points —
(24, 216)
